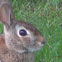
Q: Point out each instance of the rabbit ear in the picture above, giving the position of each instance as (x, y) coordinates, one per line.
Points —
(6, 14)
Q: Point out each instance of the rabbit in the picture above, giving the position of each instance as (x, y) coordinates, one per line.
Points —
(20, 40)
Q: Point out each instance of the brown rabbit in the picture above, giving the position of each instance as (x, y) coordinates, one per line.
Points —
(20, 39)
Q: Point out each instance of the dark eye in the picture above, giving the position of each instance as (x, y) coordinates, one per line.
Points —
(23, 32)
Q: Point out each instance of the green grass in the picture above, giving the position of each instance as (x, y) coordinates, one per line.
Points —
(46, 15)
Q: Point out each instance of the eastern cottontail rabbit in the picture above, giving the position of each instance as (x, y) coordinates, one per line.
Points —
(21, 39)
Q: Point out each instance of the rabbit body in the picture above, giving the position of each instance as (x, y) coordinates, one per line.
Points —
(20, 39)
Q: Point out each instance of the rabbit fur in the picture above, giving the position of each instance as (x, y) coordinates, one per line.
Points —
(13, 46)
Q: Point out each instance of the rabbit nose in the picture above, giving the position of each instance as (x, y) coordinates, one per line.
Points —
(41, 39)
(41, 43)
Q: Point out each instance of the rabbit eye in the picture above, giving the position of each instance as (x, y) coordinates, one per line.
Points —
(23, 32)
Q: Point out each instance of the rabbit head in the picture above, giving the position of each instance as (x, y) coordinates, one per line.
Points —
(20, 36)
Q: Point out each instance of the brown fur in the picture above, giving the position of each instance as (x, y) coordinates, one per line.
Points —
(11, 44)
(7, 55)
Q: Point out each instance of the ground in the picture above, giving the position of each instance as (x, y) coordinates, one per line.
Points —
(46, 16)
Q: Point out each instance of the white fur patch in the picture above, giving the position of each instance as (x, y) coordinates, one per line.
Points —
(18, 28)
(21, 51)
(5, 31)
(0, 60)
(33, 49)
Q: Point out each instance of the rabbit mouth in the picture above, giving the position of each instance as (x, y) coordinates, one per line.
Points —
(34, 49)
(22, 51)
(29, 50)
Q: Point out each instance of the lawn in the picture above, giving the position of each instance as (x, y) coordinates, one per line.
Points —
(46, 16)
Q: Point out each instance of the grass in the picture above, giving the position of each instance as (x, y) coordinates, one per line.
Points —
(46, 15)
